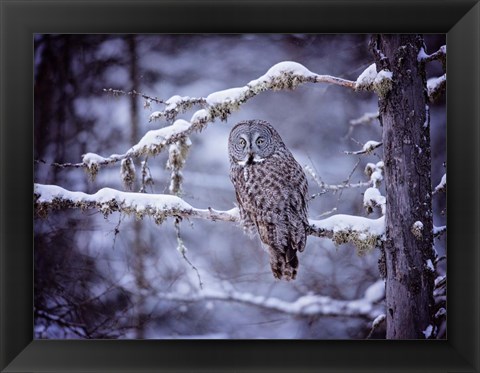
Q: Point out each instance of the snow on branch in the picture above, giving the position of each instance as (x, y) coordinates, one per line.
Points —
(363, 232)
(441, 54)
(107, 201)
(435, 87)
(284, 75)
(367, 148)
(370, 80)
(308, 305)
(442, 186)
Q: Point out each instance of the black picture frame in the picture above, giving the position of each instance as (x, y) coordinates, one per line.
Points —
(19, 20)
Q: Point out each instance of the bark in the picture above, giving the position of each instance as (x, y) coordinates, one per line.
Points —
(406, 141)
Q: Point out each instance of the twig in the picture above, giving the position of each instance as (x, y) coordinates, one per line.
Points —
(183, 250)
(117, 92)
(368, 147)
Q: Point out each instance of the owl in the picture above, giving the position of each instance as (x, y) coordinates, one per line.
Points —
(271, 190)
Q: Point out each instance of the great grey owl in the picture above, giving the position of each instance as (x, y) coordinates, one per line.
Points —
(271, 190)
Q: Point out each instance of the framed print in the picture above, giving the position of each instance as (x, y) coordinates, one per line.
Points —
(162, 130)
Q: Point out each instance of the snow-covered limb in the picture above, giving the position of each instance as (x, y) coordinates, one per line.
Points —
(175, 105)
(107, 201)
(367, 148)
(370, 80)
(307, 305)
(284, 75)
(379, 320)
(438, 231)
(363, 232)
(442, 186)
(435, 86)
(441, 54)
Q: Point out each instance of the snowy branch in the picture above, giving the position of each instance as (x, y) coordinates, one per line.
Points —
(363, 232)
(370, 80)
(442, 186)
(107, 201)
(435, 87)
(367, 148)
(308, 305)
(284, 75)
(438, 231)
(441, 55)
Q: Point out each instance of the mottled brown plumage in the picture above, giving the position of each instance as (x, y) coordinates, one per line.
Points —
(271, 190)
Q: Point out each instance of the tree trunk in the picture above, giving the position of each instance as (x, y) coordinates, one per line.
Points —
(406, 139)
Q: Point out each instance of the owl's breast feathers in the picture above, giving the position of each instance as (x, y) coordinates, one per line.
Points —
(272, 198)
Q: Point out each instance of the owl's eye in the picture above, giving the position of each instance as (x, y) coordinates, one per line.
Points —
(260, 141)
(242, 142)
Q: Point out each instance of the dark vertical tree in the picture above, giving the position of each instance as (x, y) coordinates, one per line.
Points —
(406, 141)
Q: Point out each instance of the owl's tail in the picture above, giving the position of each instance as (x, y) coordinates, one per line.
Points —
(284, 264)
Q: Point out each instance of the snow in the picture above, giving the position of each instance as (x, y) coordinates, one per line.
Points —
(430, 265)
(421, 55)
(227, 96)
(367, 77)
(438, 280)
(370, 145)
(154, 138)
(359, 224)
(434, 83)
(376, 177)
(201, 115)
(383, 75)
(418, 225)
(375, 292)
(437, 230)
(378, 320)
(93, 159)
(443, 183)
(173, 101)
(441, 312)
(281, 68)
(137, 201)
(372, 197)
(428, 332)
(427, 116)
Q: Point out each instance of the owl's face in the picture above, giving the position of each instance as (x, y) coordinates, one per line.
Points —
(252, 142)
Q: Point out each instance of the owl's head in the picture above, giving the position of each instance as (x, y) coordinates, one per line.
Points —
(252, 141)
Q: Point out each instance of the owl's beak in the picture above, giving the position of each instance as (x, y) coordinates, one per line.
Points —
(250, 158)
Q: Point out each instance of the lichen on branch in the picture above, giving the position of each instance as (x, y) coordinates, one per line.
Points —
(341, 228)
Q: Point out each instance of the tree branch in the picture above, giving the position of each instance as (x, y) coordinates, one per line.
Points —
(284, 75)
(435, 87)
(307, 305)
(441, 55)
(363, 232)
(367, 148)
